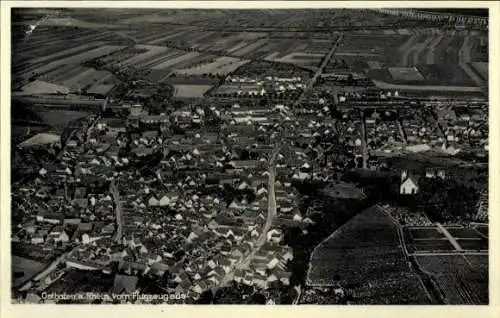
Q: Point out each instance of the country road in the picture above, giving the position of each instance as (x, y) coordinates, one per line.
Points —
(313, 80)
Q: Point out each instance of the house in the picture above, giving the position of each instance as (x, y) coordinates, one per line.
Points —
(37, 239)
(90, 237)
(409, 184)
(59, 234)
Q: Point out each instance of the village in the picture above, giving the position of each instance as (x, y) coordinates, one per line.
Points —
(188, 174)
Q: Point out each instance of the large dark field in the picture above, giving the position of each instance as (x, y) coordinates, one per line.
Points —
(366, 252)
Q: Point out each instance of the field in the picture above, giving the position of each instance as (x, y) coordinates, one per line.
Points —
(461, 279)
(76, 77)
(365, 252)
(431, 240)
(24, 269)
(190, 91)
(60, 118)
(75, 59)
(41, 87)
(405, 74)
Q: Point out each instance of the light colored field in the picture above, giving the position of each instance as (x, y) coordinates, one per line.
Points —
(405, 74)
(176, 60)
(384, 85)
(77, 59)
(40, 139)
(237, 47)
(222, 65)
(190, 91)
(41, 87)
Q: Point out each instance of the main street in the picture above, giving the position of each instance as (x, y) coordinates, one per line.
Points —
(271, 216)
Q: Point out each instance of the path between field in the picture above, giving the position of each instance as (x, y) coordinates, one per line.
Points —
(127, 36)
(431, 55)
(320, 69)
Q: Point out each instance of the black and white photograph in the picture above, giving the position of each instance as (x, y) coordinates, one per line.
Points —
(316, 156)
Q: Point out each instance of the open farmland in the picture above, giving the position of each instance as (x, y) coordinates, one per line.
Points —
(76, 59)
(458, 279)
(365, 252)
(76, 77)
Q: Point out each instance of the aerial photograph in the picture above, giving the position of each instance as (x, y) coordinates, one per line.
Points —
(249, 156)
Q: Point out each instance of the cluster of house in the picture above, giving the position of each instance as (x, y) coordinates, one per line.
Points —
(195, 216)
(260, 85)
(465, 127)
